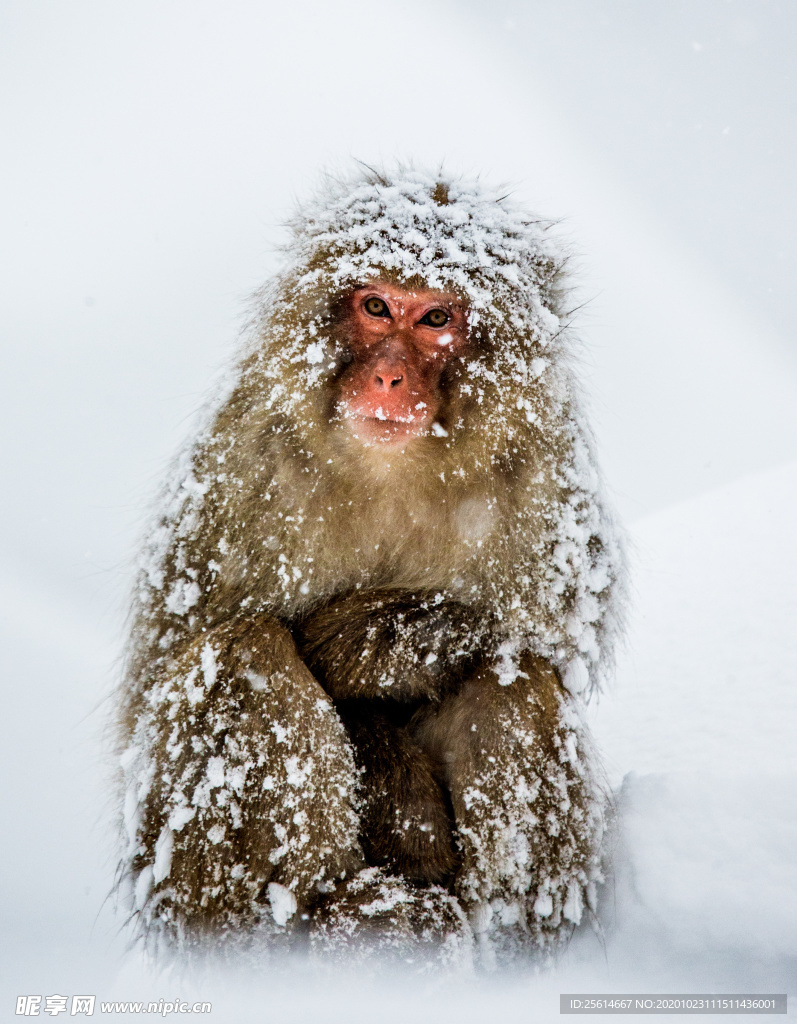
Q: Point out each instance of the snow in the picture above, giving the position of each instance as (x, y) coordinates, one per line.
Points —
(699, 736)
(163, 854)
(283, 903)
(723, 652)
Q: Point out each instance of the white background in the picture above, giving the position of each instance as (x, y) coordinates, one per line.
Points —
(149, 152)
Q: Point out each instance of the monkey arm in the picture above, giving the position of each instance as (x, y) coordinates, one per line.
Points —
(393, 644)
(526, 795)
(238, 774)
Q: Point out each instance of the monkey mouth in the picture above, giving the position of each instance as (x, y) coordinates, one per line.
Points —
(384, 428)
(383, 417)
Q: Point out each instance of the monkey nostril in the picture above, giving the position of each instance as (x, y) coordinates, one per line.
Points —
(388, 382)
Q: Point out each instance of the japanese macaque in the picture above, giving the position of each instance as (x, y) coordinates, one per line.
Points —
(381, 581)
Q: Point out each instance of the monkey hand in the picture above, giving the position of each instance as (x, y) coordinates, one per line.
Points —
(393, 643)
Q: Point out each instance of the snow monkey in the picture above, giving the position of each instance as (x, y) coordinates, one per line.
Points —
(380, 584)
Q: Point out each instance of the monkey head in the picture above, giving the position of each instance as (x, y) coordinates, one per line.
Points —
(400, 342)
(349, 345)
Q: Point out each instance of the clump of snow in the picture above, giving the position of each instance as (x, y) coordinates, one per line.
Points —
(283, 903)
(507, 667)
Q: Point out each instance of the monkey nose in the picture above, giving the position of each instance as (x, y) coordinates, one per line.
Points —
(388, 380)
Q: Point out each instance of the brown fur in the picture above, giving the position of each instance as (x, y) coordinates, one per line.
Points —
(407, 825)
(313, 681)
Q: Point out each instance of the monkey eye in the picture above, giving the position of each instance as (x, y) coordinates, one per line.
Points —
(435, 318)
(376, 307)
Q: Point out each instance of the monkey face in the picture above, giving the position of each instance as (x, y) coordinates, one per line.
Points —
(400, 341)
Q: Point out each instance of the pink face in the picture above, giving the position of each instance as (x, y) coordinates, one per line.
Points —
(401, 341)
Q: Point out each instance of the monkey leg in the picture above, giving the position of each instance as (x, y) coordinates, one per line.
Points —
(406, 820)
(392, 643)
(376, 917)
(240, 787)
(528, 807)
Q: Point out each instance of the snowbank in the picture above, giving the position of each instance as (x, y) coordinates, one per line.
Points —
(700, 729)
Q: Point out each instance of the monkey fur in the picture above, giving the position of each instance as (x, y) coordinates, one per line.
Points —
(351, 712)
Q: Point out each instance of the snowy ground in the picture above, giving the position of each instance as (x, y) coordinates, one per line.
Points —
(700, 735)
(698, 738)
